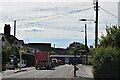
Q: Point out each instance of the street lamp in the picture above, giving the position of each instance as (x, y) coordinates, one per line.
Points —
(85, 36)
(75, 63)
(86, 20)
(86, 30)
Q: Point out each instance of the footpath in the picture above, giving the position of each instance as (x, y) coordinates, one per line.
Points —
(84, 72)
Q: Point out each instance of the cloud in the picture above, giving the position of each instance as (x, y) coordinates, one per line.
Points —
(57, 0)
(32, 29)
(35, 20)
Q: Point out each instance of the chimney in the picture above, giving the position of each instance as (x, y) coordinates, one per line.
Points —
(7, 29)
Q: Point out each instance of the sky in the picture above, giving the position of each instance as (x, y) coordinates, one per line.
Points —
(54, 21)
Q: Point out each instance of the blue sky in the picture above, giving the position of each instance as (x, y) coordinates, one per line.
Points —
(55, 22)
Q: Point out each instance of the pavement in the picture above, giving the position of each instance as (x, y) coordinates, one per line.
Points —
(84, 72)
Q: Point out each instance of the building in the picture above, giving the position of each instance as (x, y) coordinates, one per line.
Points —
(67, 59)
(8, 40)
(40, 46)
(60, 51)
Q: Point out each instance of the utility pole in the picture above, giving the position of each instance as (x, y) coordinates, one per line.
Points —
(14, 53)
(96, 24)
(86, 36)
(14, 36)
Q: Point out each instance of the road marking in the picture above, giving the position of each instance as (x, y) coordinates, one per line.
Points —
(69, 75)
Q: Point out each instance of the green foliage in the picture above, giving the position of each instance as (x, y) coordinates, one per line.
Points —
(4, 58)
(52, 53)
(112, 38)
(106, 58)
(7, 52)
(76, 45)
(106, 62)
(29, 58)
(16, 51)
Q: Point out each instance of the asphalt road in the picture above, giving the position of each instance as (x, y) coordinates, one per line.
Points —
(64, 71)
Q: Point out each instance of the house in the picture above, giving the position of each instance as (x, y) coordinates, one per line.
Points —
(8, 40)
(3, 41)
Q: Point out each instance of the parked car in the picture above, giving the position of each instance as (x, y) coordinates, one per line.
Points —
(10, 65)
(23, 64)
(60, 62)
(55, 62)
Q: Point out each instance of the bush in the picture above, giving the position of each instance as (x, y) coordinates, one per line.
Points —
(106, 62)
(29, 58)
(4, 56)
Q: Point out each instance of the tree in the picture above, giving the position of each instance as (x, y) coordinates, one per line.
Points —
(76, 45)
(4, 56)
(17, 53)
(112, 38)
(106, 58)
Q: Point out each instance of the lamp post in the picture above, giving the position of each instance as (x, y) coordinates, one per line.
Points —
(77, 48)
(86, 30)
(85, 35)
(75, 64)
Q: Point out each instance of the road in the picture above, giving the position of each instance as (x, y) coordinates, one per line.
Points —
(64, 71)
(59, 72)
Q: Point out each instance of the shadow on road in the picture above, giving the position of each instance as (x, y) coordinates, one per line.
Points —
(46, 79)
(84, 78)
(20, 71)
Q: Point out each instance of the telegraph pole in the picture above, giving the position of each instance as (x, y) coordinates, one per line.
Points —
(96, 24)
(14, 53)
(14, 36)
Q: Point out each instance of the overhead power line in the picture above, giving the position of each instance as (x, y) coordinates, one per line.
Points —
(110, 13)
(57, 15)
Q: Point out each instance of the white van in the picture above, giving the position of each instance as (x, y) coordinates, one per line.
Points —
(23, 63)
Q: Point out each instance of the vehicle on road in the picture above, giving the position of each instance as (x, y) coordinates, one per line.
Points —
(60, 62)
(55, 62)
(23, 63)
(42, 60)
(10, 65)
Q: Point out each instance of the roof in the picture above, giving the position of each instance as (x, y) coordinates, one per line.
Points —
(40, 46)
(39, 43)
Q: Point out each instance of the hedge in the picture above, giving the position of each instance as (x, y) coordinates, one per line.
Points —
(106, 63)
